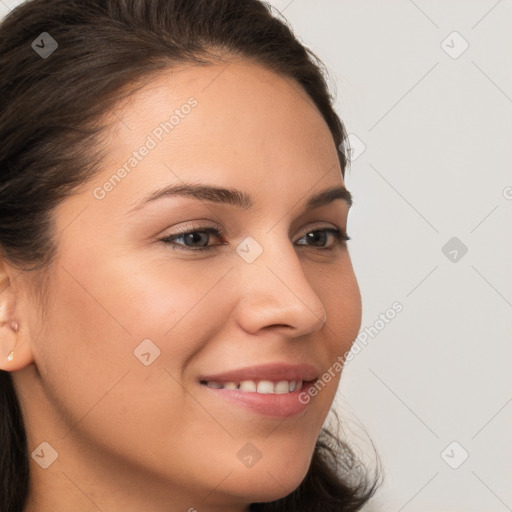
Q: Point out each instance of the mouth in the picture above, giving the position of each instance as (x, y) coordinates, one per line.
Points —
(269, 390)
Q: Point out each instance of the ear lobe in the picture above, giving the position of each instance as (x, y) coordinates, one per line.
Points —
(17, 358)
(15, 352)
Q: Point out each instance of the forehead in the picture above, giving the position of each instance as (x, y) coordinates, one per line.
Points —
(235, 124)
(234, 99)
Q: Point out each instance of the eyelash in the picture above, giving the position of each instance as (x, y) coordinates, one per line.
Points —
(340, 238)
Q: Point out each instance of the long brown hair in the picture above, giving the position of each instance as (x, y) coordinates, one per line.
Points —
(52, 112)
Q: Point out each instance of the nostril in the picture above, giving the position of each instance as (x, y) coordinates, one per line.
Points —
(273, 326)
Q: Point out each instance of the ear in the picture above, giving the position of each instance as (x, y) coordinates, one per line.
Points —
(15, 350)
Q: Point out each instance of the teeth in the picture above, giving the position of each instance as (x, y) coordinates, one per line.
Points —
(264, 387)
(283, 386)
(247, 385)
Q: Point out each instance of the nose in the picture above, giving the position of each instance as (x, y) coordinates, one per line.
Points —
(275, 293)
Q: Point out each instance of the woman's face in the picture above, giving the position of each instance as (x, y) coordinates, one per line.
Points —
(144, 323)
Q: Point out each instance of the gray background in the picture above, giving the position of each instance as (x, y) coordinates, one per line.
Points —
(435, 125)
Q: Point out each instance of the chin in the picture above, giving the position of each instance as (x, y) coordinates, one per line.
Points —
(265, 487)
(269, 480)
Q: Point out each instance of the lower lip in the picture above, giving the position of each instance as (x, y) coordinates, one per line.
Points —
(278, 405)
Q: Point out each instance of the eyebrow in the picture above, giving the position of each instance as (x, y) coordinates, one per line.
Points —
(236, 197)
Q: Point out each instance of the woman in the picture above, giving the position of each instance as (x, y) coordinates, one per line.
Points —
(176, 284)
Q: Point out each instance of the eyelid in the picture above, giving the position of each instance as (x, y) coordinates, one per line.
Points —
(182, 231)
(207, 226)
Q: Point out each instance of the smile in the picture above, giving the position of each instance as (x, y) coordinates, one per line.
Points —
(268, 390)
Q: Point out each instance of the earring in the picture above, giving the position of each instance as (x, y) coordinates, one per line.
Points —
(14, 327)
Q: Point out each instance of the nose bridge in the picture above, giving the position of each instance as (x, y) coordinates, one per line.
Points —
(277, 290)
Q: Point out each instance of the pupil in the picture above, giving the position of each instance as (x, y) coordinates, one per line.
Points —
(317, 237)
(196, 238)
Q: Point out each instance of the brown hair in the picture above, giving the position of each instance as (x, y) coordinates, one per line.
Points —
(52, 115)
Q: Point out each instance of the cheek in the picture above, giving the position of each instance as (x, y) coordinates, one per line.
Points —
(103, 323)
(148, 297)
(337, 287)
(344, 313)
(340, 294)
(93, 379)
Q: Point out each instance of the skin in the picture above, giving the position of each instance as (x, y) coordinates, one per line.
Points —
(131, 437)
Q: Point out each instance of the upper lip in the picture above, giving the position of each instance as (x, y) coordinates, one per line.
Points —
(270, 371)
